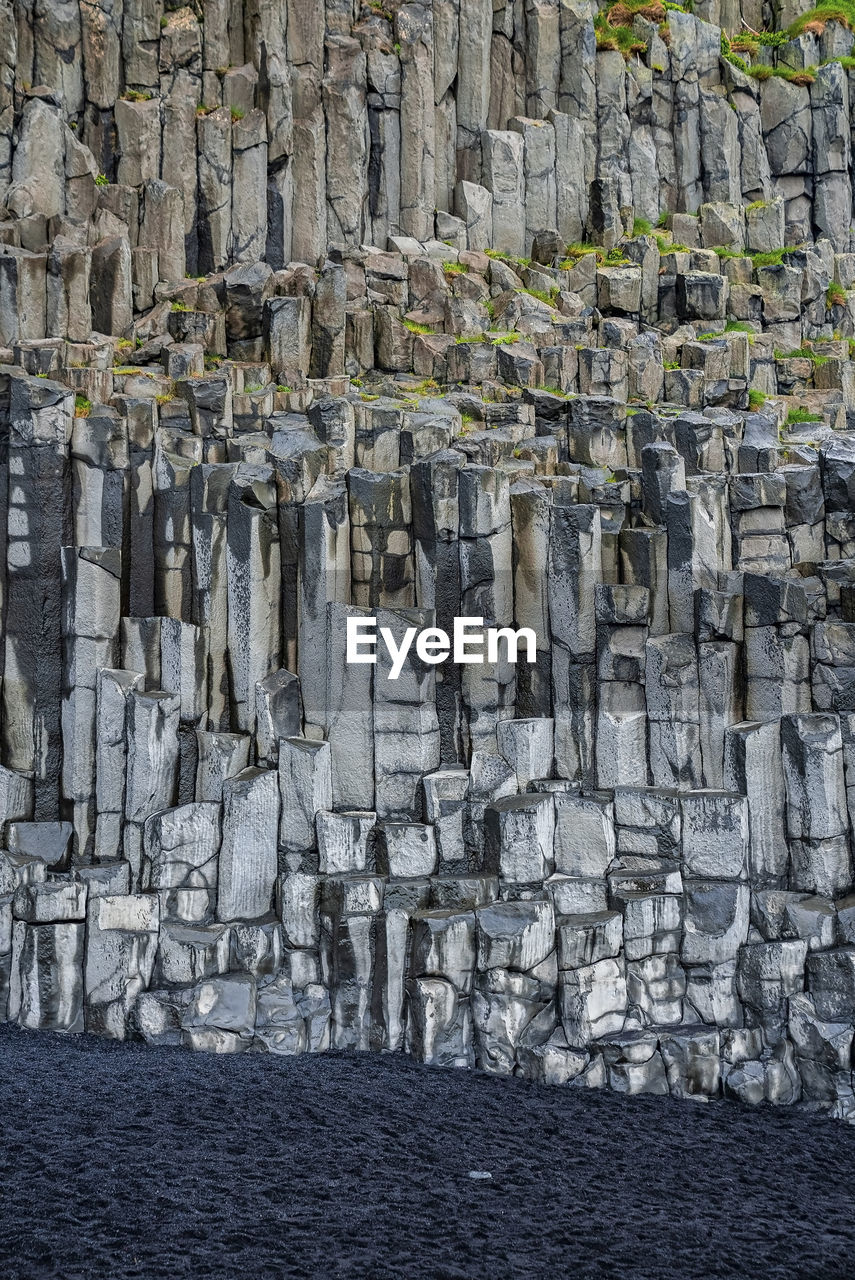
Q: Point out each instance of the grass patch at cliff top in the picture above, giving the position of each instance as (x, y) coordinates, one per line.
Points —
(762, 71)
(622, 40)
(751, 41)
(816, 20)
(614, 30)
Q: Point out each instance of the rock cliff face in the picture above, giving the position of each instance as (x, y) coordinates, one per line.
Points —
(229, 132)
(311, 313)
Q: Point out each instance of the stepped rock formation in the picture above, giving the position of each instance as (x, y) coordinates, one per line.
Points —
(315, 312)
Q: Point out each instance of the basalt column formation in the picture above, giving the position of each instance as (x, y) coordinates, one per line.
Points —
(522, 310)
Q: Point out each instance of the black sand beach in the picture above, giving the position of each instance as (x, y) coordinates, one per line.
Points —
(120, 1160)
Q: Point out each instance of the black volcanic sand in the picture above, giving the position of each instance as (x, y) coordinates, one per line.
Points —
(123, 1161)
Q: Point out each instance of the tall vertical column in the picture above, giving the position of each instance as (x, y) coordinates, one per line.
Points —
(324, 575)
(753, 767)
(171, 534)
(574, 570)
(214, 163)
(473, 84)
(434, 484)
(253, 566)
(38, 524)
(381, 538)
(306, 58)
(138, 561)
(111, 749)
(249, 188)
(209, 497)
(692, 559)
(347, 141)
(530, 503)
(247, 868)
(446, 37)
(487, 591)
(12, 63)
(92, 578)
(181, 90)
(673, 707)
(406, 728)
(621, 613)
(152, 767)
(349, 726)
(99, 466)
(683, 49)
(541, 212)
(817, 816)
(414, 30)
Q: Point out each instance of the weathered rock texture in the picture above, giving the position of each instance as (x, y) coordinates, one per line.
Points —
(628, 863)
(230, 132)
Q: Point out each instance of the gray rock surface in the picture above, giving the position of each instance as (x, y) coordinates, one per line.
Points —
(361, 318)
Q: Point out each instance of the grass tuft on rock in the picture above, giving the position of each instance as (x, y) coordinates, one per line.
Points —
(816, 20)
(774, 258)
(795, 416)
(614, 26)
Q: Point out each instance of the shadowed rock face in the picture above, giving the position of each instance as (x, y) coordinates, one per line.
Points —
(627, 862)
